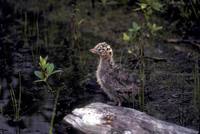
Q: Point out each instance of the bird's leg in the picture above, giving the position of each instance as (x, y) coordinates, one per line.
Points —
(119, 104)
(118, 101)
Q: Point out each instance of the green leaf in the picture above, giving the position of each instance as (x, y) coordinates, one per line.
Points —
(46, 58)
(39, 74)
(154, 28)
(135, 27)
(43, 62)
(41, 59)
(50, 68)
(131, 30)
(143, 6)
(156, 5)
(39, 81)
(44, 67)
(56, 71)
(126, 37)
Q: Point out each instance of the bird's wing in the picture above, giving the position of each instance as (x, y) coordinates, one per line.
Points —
(123, 80)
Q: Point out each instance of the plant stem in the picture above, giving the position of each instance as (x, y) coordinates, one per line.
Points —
(19, 99)
(14, 101)
(48, 86)
(54, 111)
(142, 75)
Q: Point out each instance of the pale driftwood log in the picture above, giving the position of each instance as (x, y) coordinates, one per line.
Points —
(99, 118)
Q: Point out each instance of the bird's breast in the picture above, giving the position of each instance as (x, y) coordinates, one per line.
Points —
(101, 76)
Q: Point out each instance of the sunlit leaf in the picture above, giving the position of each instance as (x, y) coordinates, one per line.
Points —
(42, 61)
(126, 37)
(143, 6)
(50, 68)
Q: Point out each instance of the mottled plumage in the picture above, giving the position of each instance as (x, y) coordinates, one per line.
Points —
(116, 82)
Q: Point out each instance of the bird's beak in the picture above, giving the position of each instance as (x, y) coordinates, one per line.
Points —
(93, 50)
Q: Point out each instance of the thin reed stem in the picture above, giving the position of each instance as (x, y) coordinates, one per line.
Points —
(54, 111)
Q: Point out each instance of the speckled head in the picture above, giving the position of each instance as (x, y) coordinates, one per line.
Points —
(102, 49)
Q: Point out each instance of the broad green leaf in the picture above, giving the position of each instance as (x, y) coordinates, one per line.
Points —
(46, 65)
(39, 74)
(50, 68)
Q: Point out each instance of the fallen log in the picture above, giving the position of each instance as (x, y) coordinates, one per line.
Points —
(99, 118)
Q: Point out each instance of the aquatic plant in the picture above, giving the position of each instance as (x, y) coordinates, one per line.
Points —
(140, 33)
(16, 103)
(46, 70)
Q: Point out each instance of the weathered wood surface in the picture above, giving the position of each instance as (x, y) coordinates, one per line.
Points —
(99, 118)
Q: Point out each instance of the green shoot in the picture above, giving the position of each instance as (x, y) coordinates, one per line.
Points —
(139, 33)
(16, 103)
(132, 33)
(46, 70)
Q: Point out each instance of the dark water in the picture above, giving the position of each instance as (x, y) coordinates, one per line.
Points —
(26, 33)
